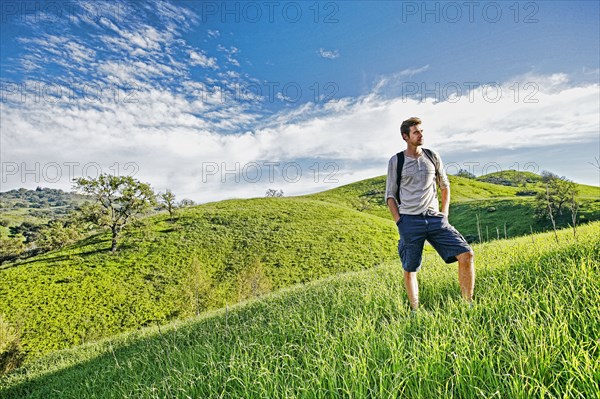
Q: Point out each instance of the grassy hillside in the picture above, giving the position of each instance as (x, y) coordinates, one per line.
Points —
(210, 255)
(528, 181)
(369, 195)
(533, 333)
(494, 204)
(517, 215)
(511, 178)
(225, 252)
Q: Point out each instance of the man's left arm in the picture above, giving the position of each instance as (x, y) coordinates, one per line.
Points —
(446, 200)
(444, 185)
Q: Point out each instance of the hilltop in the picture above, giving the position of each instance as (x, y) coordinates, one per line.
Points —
(499, 206)
(35, 206)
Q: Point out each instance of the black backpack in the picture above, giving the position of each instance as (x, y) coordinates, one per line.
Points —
(400, 165)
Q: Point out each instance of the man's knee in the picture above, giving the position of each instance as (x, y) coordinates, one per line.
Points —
(468, 256)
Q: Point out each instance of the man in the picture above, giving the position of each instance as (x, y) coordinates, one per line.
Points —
(414, 206)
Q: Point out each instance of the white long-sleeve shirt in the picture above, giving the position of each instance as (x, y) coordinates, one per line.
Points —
(418, 191)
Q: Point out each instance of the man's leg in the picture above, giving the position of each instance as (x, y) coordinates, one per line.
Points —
(412, 289)
(466, 274)
(412, 229)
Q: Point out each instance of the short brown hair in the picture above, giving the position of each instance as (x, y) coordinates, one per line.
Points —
(405, 127)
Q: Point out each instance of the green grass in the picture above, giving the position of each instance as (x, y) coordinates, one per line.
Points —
(532, 181)
(516, 214)
(227, 251)
(471, 197)
(238, 249)
(534, 333)
(369, 194)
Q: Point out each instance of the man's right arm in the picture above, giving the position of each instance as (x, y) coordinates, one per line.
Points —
(393, 206)
(391, 188)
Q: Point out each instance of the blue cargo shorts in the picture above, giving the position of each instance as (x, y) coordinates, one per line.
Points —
(433, 227)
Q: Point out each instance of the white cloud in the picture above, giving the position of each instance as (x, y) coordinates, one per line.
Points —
(229, 54)
(66, 51)
(170, 125)
(395, 79)
(329, 54)
(171, 137)
(198, 58)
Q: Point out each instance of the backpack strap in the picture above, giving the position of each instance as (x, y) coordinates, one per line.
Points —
(400, 165)
(429, 155)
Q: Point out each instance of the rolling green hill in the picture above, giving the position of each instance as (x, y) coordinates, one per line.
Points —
(532, 333)
(225, 252)
(209, 256)
(532, 181)
(494, 204)
(368, 195)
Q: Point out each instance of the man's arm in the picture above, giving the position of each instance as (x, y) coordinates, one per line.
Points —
(391, 188)
(446, 200)
(444, 184)
(393, 206)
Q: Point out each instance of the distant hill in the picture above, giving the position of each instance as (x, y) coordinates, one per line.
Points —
(41, 197)
(504, 210)
(368, 195)
(35, 206)
(532, 181)
(511, 178)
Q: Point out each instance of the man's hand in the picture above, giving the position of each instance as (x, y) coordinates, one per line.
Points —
(393, 207)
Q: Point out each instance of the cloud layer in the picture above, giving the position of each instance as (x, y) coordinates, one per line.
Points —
(136, 97)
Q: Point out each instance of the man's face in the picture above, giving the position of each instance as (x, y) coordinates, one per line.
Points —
(415, 136)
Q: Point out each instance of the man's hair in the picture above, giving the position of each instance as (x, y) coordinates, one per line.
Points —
(405, 127)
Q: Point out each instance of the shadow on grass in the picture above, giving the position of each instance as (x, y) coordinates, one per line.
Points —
(44, 257)
(109, 367)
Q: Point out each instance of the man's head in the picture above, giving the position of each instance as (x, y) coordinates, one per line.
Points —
(411, 127)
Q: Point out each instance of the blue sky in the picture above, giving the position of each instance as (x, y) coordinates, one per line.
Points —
(217, 100)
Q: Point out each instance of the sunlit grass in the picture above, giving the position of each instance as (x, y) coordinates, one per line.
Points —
(243, 248)
(533, 333)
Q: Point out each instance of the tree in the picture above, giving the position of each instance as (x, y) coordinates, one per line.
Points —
(465, 173)
(559, 191)
(253, 282)
(274, 193)
(58, 234)
(167, 200)
(11, 354)
(118, 201)
(574, 208)
(198, 286)
(547, 176)
(186, 202)
(597, 164)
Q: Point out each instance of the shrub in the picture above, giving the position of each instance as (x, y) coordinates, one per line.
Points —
(11, 247)
(523, 193)
(11, 355)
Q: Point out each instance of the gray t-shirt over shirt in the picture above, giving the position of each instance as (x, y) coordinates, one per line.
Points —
(418, 191)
